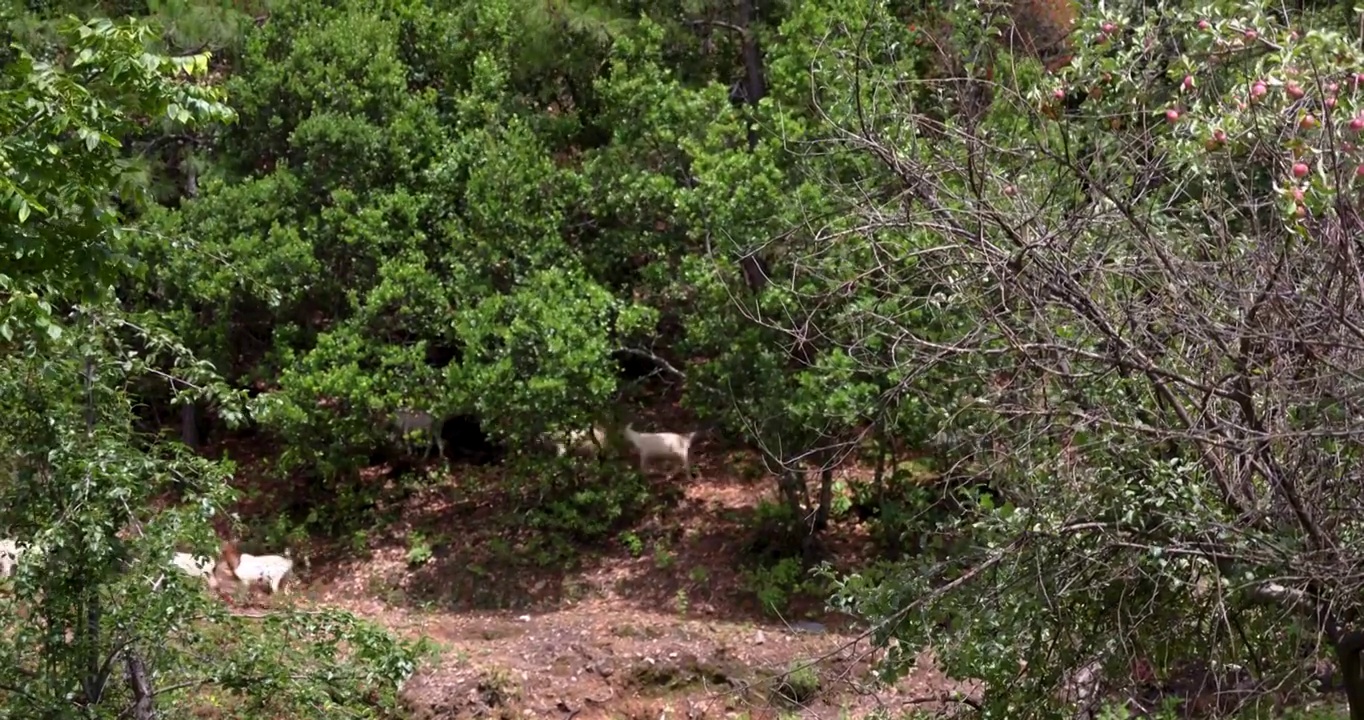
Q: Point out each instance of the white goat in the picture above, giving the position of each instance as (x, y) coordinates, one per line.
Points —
(410, 421)
(581, 441)
(9, 556)
(12, 552)
(272, 569)
(652, 446)
(196, 567)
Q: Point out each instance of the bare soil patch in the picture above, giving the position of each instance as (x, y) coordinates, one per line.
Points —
(658, 621)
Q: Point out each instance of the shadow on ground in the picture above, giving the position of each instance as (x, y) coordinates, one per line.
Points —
(465, 544)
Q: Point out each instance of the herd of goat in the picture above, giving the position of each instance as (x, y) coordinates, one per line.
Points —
(651, 447)
(247, 570)
(242, 568)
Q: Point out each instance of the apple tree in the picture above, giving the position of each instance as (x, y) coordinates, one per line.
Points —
(1148, 266)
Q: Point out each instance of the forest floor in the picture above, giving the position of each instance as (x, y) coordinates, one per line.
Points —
(662, 621)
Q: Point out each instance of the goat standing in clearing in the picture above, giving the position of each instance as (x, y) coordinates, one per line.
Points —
(410, 421)
(251, 569)
(653, 446)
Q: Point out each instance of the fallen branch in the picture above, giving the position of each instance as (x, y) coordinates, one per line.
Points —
(662, 364)
(720, 24)
(945, 698)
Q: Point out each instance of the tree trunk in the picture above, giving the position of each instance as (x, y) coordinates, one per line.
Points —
(883, 447)
(135, 672)
(755, 269)
(191, 179)
(790, 481)
(189, 426)
(826, 498)
(1347, 655)
(755, 86)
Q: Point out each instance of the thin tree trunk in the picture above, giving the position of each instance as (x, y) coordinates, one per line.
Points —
(826, 498)
(790, 481)
(135, 672)
(189, 426)
(755, 270)
(878, 479)
(756, 75)
(191, 179)
(95, 670)
(1347, 655)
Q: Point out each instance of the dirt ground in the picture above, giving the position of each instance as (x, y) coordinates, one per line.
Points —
(664, 625)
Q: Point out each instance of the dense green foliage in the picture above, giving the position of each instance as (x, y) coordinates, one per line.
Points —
(94, 597)
(1111, 309)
